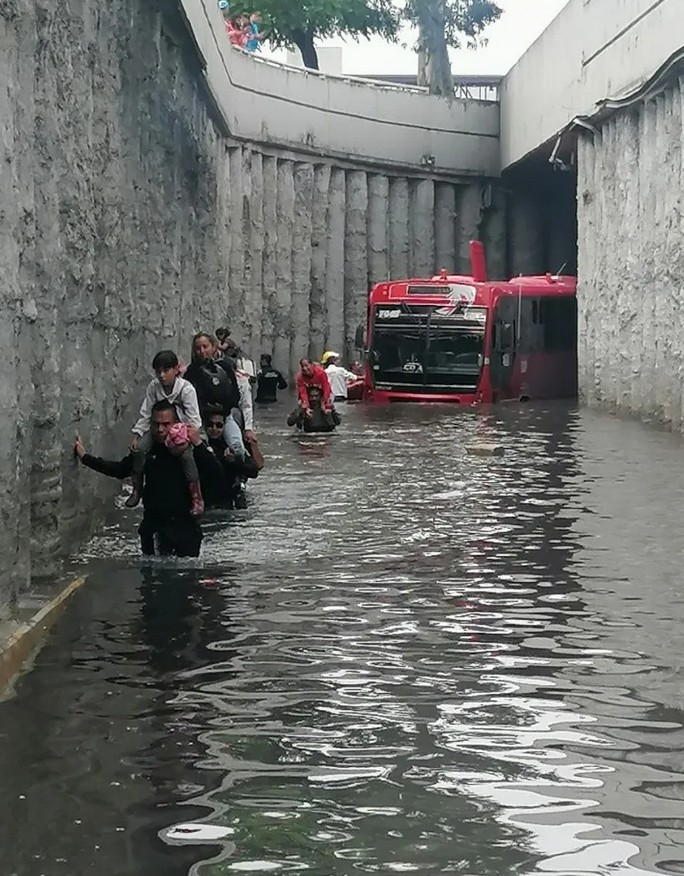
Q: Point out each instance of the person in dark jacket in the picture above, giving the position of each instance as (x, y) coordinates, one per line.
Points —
(235, 470)
(315, 419)
(167, 526)
(269, 381)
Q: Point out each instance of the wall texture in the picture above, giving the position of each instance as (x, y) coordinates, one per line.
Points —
(631, 268)
(129, 219)
(592, 50)
(112, 191)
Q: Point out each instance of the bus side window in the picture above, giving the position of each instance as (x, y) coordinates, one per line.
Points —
(504, 337)
(559, 318)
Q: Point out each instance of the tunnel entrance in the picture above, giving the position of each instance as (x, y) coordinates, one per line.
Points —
(541, 216)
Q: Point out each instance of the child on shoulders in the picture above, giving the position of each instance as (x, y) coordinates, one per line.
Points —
(169, 385)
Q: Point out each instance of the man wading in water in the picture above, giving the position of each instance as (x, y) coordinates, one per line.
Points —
(167, 523)
(316, 419)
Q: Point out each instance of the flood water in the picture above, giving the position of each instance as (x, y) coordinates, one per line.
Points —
(401, 658)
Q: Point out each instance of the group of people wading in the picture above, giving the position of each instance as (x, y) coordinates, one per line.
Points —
(193, 445)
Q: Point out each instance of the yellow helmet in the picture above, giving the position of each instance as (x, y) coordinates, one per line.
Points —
(329, 354)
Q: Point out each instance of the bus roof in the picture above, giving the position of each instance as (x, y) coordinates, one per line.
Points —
(443, 287)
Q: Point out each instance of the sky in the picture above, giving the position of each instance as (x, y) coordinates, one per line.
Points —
(519, 26)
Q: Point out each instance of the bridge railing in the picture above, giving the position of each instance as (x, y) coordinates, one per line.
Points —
(351, 119)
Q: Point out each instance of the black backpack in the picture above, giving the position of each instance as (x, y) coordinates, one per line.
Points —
(214, 386)
(229, 369)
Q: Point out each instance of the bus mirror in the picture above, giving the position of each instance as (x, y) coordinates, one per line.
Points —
(359, 339)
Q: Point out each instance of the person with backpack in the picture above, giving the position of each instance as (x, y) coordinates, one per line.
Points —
(216, 383)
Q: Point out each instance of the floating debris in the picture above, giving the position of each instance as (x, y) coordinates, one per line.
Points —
(181, 834)
(484, 448)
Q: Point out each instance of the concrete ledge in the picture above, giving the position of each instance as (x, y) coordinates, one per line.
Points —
(22, 640)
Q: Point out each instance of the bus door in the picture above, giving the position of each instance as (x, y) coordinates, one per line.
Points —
(502, 358)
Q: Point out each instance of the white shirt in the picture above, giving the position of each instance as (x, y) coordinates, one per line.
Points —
(246, 365)
(339, 377)
(245, 400)
(182, 396)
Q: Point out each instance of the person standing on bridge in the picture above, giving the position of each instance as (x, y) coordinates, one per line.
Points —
(255, 35)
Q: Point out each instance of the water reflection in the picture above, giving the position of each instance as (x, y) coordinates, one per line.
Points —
(400, 658)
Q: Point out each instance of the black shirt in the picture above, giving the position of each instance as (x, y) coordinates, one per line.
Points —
(269, 380)
(165, 491)
(219, 493)
(167, 523)
(319, 421)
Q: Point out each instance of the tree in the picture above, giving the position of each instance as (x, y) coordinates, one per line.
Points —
(444, 23)
(300, 23)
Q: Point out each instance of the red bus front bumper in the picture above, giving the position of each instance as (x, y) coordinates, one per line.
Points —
(389, 396)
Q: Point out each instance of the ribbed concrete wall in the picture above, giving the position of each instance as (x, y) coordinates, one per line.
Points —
(308, 240)
(631, 290)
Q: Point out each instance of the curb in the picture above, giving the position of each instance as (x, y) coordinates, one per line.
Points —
(28, 637)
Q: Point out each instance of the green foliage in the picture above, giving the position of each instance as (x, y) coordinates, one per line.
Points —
(468, 18)
(462, 19)
(444, 23)
(287, 19)
(441, 23)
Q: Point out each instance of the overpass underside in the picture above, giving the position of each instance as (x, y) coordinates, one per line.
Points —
(541, 216)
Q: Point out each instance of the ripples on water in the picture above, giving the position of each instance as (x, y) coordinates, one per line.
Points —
(401, 658)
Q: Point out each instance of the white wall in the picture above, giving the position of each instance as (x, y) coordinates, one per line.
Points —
(267, 103)
(329, 60)
(592, 50)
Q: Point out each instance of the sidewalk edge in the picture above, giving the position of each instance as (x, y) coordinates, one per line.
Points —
(24, 641)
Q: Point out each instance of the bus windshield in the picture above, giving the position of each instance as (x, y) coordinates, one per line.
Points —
(447, 358)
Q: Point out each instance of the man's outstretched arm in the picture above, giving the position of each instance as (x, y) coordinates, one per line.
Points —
(111, 468)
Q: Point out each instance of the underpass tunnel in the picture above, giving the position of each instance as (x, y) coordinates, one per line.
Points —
(541, 215)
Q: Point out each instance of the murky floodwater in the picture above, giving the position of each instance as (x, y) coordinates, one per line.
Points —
(402, 658)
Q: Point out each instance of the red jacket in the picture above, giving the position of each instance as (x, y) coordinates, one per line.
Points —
(320, 379)
(237, 36)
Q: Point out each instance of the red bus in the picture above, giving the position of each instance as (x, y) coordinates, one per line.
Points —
(469, 340)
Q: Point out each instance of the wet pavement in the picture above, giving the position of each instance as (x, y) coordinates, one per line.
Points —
(401, 658)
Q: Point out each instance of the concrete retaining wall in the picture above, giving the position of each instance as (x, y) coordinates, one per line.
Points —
(631, 290)
(308, 239)
(130, 219)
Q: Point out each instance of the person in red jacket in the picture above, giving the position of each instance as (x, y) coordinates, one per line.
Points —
(312, 374)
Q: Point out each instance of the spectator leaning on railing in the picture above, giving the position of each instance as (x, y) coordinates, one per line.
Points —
(243, 31)
(238, 31)
(256, 35)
